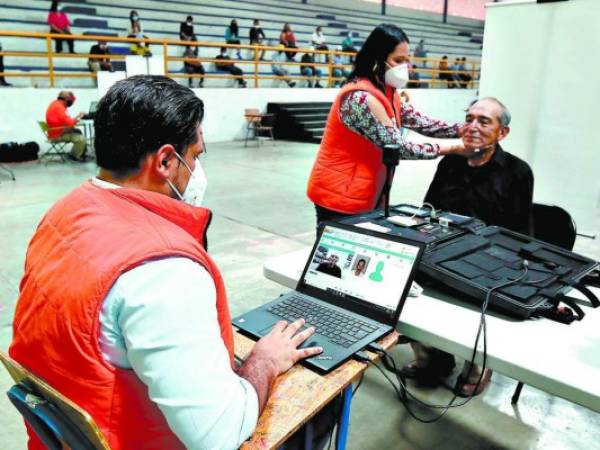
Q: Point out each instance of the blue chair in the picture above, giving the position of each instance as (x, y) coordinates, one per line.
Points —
(58, 422)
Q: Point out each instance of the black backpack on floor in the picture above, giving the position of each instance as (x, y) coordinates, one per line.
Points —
(13, 152)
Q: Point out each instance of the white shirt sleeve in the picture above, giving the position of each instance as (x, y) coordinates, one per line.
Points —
(160, 319)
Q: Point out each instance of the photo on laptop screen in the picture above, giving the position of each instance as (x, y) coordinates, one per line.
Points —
(368, 268)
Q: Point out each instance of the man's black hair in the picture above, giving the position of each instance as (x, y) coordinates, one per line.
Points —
(370, 60)
(139, 115)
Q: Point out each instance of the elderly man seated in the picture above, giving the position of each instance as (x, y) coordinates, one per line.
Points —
(491, 185)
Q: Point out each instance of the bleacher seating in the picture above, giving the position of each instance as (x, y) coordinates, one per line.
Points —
(161, 18)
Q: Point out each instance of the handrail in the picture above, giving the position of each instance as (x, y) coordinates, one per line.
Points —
(255, 61)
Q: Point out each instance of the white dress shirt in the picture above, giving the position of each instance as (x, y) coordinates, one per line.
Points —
(160, 319)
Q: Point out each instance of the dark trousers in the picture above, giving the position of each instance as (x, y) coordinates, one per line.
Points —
(193, 69)
(233, 70)
(2, 79)
(59, 45)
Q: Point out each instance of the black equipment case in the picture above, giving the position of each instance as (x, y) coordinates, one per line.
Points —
(467, 256)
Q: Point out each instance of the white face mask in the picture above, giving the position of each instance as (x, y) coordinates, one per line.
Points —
(397, 76)
(196, 187)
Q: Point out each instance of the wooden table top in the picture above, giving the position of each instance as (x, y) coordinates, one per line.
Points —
(299, 394)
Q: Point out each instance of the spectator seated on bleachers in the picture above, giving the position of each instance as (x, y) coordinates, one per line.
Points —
(338, 70)
(3, 81)
(464, 77)
(280, 70)
(348, 45)
(414, 78)
(135, 31)
(308, 69)
(193, 67)
(288, 39)
(186, 30)
(444, 73)
(98, 64)
(420, 51)
(227, 66)
(257, 36)
(232, 36)
(60, 24)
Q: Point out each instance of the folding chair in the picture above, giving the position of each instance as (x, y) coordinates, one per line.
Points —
(58, 422)
(58, 147)
(257, 123)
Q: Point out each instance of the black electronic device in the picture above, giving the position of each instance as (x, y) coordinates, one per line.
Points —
(352, 290)
(464, 254)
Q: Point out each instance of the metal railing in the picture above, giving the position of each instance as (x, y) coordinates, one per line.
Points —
(255, 61)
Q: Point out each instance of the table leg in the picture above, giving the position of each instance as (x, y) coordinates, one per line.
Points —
(344, 425)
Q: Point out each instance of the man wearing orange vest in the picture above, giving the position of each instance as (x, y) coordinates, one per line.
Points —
(62, 126)
(122, 310)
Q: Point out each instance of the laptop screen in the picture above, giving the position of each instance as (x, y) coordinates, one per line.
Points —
(362, 267)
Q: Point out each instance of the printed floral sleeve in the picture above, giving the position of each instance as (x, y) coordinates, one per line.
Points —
(425, 125)
(356, 115)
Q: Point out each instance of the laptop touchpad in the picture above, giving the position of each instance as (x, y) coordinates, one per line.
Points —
(267, 330)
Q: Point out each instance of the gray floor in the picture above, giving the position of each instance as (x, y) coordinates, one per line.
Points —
(260, 209)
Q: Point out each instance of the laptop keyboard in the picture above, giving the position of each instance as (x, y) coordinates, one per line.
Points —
(338, 327)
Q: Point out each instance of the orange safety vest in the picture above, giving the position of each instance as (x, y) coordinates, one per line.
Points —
(348, 174)
(82, 245)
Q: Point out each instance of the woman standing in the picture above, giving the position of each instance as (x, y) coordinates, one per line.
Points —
(348, 175)
(60, 24)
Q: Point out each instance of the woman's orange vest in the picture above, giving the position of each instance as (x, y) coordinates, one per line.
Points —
(80, 248)
(348, 174)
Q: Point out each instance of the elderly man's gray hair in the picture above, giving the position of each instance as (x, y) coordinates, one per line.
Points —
(504, 112)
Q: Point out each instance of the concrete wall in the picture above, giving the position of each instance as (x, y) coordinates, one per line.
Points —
(21, 108)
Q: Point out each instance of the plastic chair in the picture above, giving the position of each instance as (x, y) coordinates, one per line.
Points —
(257, 123)
(58, 422)
(554, 225)
(57, 146)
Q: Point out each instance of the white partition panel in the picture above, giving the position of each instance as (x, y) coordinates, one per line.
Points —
(542, 61)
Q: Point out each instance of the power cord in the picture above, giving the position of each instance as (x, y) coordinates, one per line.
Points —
(361, 356)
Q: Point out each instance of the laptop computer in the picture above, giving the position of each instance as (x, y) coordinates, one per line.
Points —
(352, 289)
(91, 114)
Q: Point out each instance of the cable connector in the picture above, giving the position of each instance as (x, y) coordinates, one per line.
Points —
(375, 347)
(362, 357)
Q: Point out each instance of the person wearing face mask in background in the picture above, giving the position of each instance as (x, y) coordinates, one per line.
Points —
(257, 36)
(122, 310)
(186, 30)
(135, 30)
(348, 175)
(61, 126)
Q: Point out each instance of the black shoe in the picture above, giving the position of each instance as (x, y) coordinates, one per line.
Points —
(440, 366)
(292, 84)
(5, 84)
(318, 85)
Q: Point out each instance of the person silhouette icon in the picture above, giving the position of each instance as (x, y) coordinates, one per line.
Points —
(376, 275)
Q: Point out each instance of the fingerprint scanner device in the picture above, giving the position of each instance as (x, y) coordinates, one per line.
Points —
(405, 221)
(352, 290)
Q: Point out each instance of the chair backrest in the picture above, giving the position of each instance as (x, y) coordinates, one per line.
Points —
(554, 225)
(252, 114)
(44, 127)
(55, 419)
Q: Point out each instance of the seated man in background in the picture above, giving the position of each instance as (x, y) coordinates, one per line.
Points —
(338, 70)
(491, 185)
(97, 64)
(62, 126)
(194, 66)
(186, 30)
(141, 338)
(309, 70)
(227, 66)
(278, 68)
